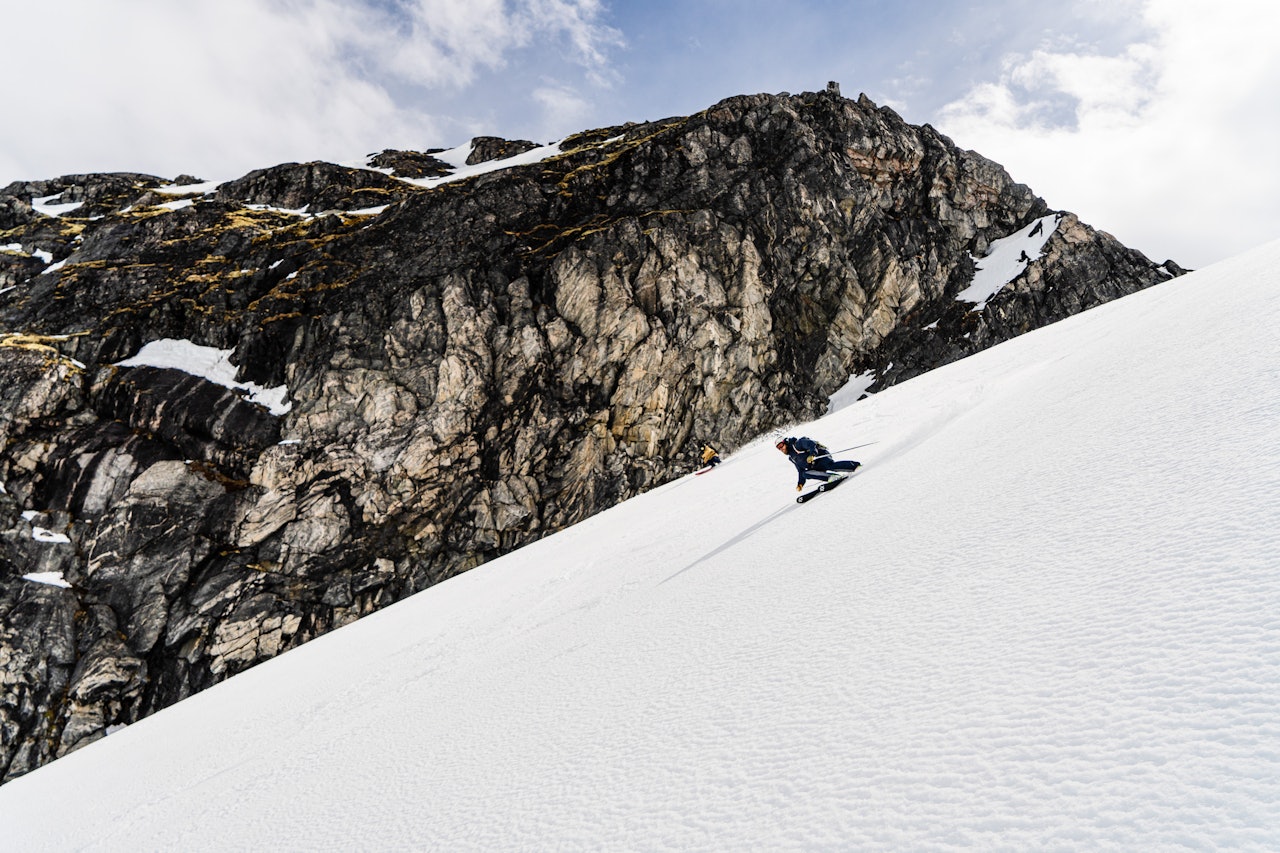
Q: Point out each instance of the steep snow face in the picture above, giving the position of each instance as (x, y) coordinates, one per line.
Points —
(1042, 616)
(1005, 260)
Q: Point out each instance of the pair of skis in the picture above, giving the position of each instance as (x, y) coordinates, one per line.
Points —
(825, 487)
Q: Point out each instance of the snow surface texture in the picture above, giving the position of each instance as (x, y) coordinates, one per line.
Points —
(457, 158)
(1044, 616)
(851, 392)
(208, 363)
(453, 157)
(49, 207)
(50, 578)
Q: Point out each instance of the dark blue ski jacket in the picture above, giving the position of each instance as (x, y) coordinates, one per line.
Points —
(799, 450)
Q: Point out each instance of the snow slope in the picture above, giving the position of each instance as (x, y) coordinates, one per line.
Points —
(1046, 615)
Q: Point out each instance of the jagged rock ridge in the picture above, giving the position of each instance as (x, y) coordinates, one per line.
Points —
(469, 364)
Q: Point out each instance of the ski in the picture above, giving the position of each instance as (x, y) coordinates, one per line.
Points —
(825, 487)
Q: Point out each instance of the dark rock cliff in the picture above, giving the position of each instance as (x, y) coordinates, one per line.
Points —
(468, 367)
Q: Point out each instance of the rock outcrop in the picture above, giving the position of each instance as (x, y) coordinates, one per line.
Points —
(458, 369)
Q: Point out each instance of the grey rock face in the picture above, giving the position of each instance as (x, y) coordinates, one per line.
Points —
(486, 148)
(469, 369)
(410, 164)
(313, 187)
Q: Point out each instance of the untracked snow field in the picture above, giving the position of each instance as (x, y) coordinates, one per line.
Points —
(1044, 616)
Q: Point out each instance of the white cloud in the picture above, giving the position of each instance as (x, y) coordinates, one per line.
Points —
(1163, 143)
(561, 107)
(578, 20)
(1109, 90)
(219, 88)
(445, 43)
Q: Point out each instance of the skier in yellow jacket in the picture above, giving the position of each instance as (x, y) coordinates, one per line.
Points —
(710, 458)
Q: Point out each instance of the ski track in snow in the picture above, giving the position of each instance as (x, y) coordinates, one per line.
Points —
(1045, 615)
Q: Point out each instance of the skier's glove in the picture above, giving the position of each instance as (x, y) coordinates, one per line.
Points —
(809, 459)
(799, 487)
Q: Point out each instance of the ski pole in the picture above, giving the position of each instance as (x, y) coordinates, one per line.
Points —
(855, 447)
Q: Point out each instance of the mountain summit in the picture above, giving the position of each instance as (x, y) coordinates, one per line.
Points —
(238, 415)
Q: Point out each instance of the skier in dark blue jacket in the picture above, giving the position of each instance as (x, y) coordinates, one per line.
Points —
(813, 461)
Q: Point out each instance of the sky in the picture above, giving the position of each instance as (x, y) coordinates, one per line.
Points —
(1043, 615)
(1154, 120)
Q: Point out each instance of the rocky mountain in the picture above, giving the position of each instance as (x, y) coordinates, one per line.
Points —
(427, 362)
